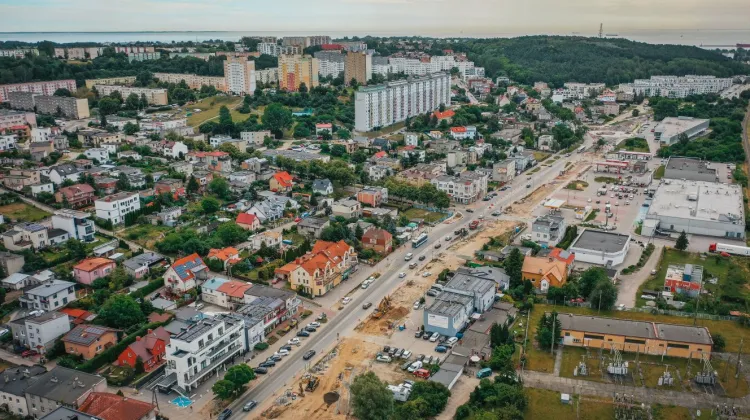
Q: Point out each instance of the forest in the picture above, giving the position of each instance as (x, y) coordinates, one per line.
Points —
(558, 59)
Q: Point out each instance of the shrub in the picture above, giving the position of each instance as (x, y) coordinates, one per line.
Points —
(261, 346)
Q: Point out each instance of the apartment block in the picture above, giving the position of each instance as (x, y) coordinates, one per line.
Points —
(240, 75)
(330, 63)
(40, 88)
(122, 80)
(465, 188)
(18, 52)
(153, 96)
(68, 107)
(295, 70)
(676, 86)
(358, 66)
(193, 81)
(10, 118)
(255, 137)
(274, 49)
(267, 76)
(114, 207)
(393, 102)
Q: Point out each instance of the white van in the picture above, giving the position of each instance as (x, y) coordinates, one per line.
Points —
(408, 256)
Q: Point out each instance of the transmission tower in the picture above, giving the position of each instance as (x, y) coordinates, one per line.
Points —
(601, 30)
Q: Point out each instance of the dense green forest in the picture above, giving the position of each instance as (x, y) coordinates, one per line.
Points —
(724, 141)
(111, 64)
(557, 59)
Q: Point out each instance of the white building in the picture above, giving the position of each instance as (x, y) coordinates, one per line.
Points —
(466, 188)
(411, 139)
(676, 86)
(114, 207)
(669, 130)
(8, 142)
(49, 296)
(40, 332)
(393, 102)
(153, 96)
(240, 75)
(39, 134)
(330, 63)
(76, 223)
(600, 247)
(255, 137)
(101, 154)
(267, 76)
(203, 349)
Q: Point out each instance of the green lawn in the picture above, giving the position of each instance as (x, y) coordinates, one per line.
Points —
(23, 212)
(577, 185)
(428, 216)
(210, 108)
(541, 156)
(296, 238)
(146, 235)
(659, 172)
(596, 410)
(545, 404)
(635, 144)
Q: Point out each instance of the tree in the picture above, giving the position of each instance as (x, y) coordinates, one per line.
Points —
(338, 150)
(226, 125)
(277, 118)
(223, 389)
(513, 266)
(210, 205)
(121, 311)
(76, 249)
(3, 292)
(499, 335)
(130, 128)
(636, 112)
(132, 102)
(590, 278)
(548, 330)
(220, 187)
(719, 342)
(108, 106)
(604, 296)
(344, 134)
(62, 92)
(433, 393)
(682, 242)
(371, 399)
(239, 375)
(231, 233)
(192, 185)
(123, 184)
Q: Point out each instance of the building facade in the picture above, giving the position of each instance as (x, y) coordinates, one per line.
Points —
(294, 70)
(153, 96)
(39, 88)
(240, 75)
(357, 66)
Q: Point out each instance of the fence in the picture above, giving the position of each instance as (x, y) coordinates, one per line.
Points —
(654, 311)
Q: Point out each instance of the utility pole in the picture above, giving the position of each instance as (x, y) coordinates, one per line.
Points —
(600, 303)
(737, 368)
(697, 303)
(552, 347)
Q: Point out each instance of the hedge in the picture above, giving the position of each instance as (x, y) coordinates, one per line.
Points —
(151, 287)
(112, 353)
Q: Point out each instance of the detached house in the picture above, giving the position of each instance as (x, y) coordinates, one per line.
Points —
(150, 350)
(64, 172)
(321, 269)
(379, 240)
(248, 221)
(79, 195)
(228, 255)
(544, 272)
(322, 187)
(281, 182)
(91, 269)
(89, 340)
(186, 273)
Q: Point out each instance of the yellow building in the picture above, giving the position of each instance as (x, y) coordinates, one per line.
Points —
(635, 336)
(295, 70)
(321, 269)
(357, 66)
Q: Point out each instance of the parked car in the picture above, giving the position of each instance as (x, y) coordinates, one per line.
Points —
(314, 324)
(398, 353)
(249, 406)
(383, 358)
(432, 292)
(224, 415)
(386, 349)
(448, 238)
(275, 357)
(309, 354)
(260, 370)
(420, 357)
(437, 245)
(451, 341)
(405, 365)
(294, 341)
(418, 334)
(434, 337)
(267, 364)
(401, 275)
(484, 373)
(406, 354)
(417, 304)
(29, 353)
(285, 350)
(427, 360)
(346, 300)
(367, 305)
(426, 274)
(426, 335)
(393, 351)
(303, 333)
(441, 349)
(414, 366)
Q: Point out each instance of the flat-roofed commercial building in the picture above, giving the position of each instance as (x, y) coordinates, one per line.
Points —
(669, 130)
(635, 336)
(153, 96)
(697, 207)
(601, 247)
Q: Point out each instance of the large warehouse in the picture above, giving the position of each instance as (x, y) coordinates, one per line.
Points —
(697, 207)
(690, 169)
(601, 247)
(669, 129)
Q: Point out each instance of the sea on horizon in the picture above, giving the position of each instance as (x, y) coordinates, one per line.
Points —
(712, 37)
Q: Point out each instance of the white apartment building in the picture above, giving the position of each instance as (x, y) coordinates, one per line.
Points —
(39, 134)
(413, 66)
(255, 137)
(76, 223)
(49, 296)
(114, 207)
(240, 75)
(676, 86)
(40, 332)
(153, 96)
(163, 124)
(101, 154)
(578, 91)
(203, 349)
(465, 188)
(392, 102)
(274, 49)
(18, 52)
(8, 142)
(267, 76)
(330, 63)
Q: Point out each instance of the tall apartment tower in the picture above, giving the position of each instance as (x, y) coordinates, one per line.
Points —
(239, 74)
(295, 70)
(358, 66)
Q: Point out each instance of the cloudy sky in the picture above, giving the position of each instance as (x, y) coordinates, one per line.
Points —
(433, 17)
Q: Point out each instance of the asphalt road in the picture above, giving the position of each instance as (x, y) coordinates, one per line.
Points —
(281, 377)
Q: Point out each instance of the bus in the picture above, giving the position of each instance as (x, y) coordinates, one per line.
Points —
(421, 240)
(581, 149)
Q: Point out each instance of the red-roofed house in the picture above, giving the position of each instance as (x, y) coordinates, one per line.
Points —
(185, 274)
(231, 294)
(323, 126)
(151, 349)
(91, 269)
(321, 269)
(564, 256)
(108, 406)
(379, 155)
(248, 221)
(379, 240)
(447, 115)
(228, 255)
(281, 182)
(79, 195)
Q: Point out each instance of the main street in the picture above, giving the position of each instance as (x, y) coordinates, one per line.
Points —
(342, 324)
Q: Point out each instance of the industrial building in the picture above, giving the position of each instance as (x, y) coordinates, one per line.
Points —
(600, 247)
(696, 207)
(670, 129)
(687, 278)
(690, 169)
(448, 313)
(635, 336)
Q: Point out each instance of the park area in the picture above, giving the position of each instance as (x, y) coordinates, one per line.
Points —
(22, 212)
(426, 215)
(209, 109)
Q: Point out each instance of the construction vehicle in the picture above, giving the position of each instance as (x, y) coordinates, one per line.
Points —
(312, 384)
(382, 308)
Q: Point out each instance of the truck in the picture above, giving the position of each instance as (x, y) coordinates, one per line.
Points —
(601, 191)
(474, 224)
(460, 232)
(729, 249)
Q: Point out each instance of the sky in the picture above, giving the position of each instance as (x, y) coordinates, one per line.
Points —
(406, 17)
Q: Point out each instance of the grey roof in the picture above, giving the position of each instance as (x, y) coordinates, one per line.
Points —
(50, 288)
(254, 312)
(690, 164)
(260, 290)
(147, 259)
(313, 222)
(9, 255)
(549, 220)
(449, 304)
(175, 327)
(509, 248)
(45, 317)
(54, 233)
(86, 334)
(599, 240)
(64, 385)
(16, 380)
(65, 413)
(198, 329)
(640, 329)
(463, 280)
(445, 376)
(321, 184)
(66, 169)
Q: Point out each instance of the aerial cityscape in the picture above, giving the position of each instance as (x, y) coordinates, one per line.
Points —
(340, 218)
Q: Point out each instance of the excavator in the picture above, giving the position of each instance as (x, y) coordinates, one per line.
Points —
(382, 308)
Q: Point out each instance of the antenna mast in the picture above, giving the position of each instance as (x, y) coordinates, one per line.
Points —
(601, 30)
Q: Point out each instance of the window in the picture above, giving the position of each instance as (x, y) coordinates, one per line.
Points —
(593, 337)
(634, 341)
(677, 346)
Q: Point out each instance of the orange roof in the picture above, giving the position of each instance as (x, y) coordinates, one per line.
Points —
(322, 255)
(283, 178)
(183, 267)
(223, 254)
(380, 154)
(234, 288)
(552, 269)
(91, 264)
(246, 218)
(114, 407)
(458, 129)
(448, 113)
(556, 254)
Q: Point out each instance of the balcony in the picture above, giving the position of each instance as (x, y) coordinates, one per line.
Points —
(232, 349)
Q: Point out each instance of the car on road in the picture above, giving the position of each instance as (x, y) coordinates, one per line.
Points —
(294, 341)
(469, 211)
(401, 275)
(303, 333)
(366, 305)
(260, 370)
(528, 185)
(249, 406)
(437, 245)
(426, 274)
(224, 415)
(417, 304)
(421, 258)
(448, 238)
(441, 349)
(496, 213)
(308, 354)
(383, 358)
(346, 300)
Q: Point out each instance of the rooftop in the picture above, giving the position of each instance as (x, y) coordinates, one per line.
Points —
(672, 126)
(641, 329)
(64, 385)
(86, 335)
(114, 407)
(689, 164)
(118, 196)
(700, 200)
(600, 240)
(465, 280)
(449, 304)
(50, 288)
(15, 380)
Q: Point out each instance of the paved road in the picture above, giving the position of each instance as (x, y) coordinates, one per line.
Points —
(343, 323)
